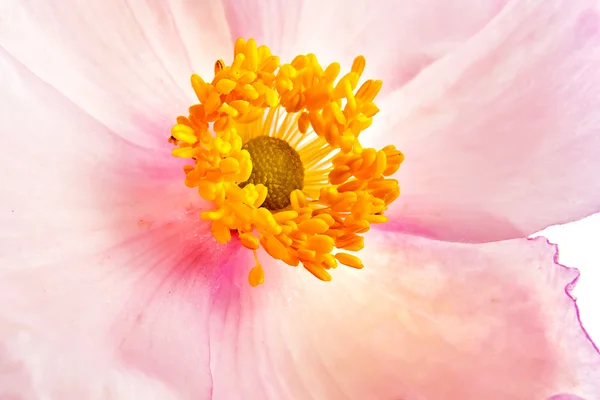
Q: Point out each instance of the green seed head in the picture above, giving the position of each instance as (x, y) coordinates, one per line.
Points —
(276, 165)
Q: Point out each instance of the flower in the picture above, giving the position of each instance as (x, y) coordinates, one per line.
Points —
(285, 160)
(113, 287)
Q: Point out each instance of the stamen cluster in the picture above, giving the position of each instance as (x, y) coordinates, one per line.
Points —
(346, 188)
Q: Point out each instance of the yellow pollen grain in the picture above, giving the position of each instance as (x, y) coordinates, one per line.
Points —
(319, 114)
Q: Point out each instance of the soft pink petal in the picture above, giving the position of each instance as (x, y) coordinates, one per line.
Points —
(398, 38)
(125, 322)
(423, 320)
(66, 177)
(502, 137)
(110, 287)
(126, 62)
(80, 208)
(172, 311)
(565, 397)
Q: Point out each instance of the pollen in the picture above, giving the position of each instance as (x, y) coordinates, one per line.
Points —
(275, 148)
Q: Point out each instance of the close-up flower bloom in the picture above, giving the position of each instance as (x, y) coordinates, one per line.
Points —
(336, 204)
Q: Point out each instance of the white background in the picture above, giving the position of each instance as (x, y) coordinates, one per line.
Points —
(579, 247)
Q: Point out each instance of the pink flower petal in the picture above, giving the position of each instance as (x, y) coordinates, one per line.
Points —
(109, 289)
(70, 185)
(80, 208)
(398, 38)
(502, 137)
(172, 313)
(131, 321)
(427, 320)
(125, 62)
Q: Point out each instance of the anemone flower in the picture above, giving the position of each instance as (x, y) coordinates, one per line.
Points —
(244, 237)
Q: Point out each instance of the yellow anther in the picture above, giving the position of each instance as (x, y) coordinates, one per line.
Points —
(229, 166)
(377, 219)
(249, 240)
(284, 84)
(225, 86)
(358, 66)
(222, 123)
(238, 61)
(263, 53)
(394, 159)
(344, 201)
(227, 109)
(306, 254)
(350, 242)
(352, 186)
(288, 71)
(247, 77)
(212, 102)
(361, 226)
(250, 92)
(320, 117)
(270, 64)
(242, 106)
(242, 212)
(200, 88)
(212, 215)
(328, 195)
(318, 271)
(328, 261)
(340, 88)
(239, 47)
(284, 216)
(184, 133)
(320, 243)
(303, 123)
(349, 260)
(274, 247)
(298, 199)
(338, 114)
(222, 146)
(194, 176)
(285, 240)
(256, 276)
(265, 221)
(328, 219)
(351, 105)
(370, 109)
(271, 98)
(313, 226)
(221, 232)
(219, 66)
(299, 62)
(304, 213)
(207, 190)
(369, 90)
(251, 55)
(289, 228)
(332, 71)
(340, 175)
(261, 195)
(317, 122)
(184, 152)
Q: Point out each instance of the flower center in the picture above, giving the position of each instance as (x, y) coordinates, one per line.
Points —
(277, 166)
(275, 148)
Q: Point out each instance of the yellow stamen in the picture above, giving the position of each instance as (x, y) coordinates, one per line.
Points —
(276, 149)
(257, 274)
